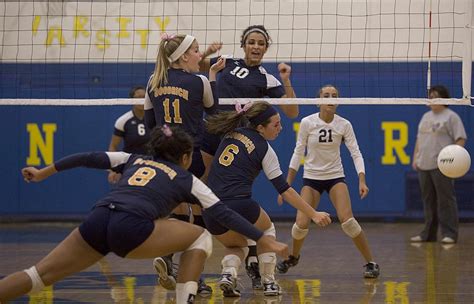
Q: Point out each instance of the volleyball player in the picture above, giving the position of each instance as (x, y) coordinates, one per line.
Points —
(321, 135)
(130, 222)
(177, 96)
(130, 128)
(246, 78)
(242, 154)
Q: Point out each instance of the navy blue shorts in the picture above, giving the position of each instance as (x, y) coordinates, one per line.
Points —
(110, 230)
(197, 166)
(210, 142)
(323, 185)
(248, 208)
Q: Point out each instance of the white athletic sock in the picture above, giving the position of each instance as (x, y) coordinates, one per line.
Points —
(185, 290)
(267, 262)
(231, 264)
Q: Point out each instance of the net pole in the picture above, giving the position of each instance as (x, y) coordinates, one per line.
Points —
(428, 72)
(467, 58)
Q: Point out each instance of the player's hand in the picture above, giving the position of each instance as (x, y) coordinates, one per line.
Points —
(31, 174)
(268, 244)
(363, 190)
(219, 65)
(213, 48)
(280, 200)
(322, 219)
(285, 71)
(414, 166)
(113, 177)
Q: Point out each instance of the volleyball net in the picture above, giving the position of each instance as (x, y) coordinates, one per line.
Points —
(375, 52)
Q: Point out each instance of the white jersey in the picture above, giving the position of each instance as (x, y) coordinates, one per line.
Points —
(322, 142)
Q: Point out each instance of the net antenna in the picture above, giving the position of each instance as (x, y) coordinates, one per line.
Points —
(467, 58)
(428, 71)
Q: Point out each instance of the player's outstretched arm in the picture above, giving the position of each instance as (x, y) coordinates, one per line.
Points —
(32, 174)
(95, 160)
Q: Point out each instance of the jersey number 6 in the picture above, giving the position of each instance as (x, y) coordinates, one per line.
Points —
(227, 156)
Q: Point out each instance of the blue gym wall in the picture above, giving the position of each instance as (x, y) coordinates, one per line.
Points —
(89, 128)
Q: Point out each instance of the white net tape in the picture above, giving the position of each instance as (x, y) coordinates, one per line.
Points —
(227, 101)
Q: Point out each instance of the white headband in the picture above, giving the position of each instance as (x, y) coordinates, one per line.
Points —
(253, 31)
(182, 48)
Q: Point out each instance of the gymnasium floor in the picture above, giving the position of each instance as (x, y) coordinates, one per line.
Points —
(330, 270)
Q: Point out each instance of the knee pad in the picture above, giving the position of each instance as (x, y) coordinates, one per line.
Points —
(36, 283)
(203, 242)
(297, 233)
(270, 231)
(351, 227)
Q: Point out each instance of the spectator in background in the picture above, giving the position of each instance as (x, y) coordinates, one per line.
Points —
(131, 129)
(438, 128)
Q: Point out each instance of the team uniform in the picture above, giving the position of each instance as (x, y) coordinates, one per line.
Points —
(148, 190)
(134, 132)
(242, 155)
(181, 102)
(321, 140)
(237, 80)
(322, 170)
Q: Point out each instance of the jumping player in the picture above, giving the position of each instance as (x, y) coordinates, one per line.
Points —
(246, 78)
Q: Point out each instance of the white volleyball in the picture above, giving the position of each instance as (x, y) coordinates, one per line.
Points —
(454, 161)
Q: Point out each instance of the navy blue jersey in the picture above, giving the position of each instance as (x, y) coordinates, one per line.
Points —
(151, 188)
(237, 80)
(136, 191)
(181, 102)
(239, 159)
(133, 131)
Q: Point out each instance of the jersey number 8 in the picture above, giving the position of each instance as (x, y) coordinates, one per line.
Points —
(142, 176)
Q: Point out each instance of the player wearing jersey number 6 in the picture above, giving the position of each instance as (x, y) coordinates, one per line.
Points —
(243, 152)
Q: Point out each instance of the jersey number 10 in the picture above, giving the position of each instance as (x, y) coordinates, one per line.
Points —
(240, 72)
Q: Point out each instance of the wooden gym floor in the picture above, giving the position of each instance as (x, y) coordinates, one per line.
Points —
(330, 270)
